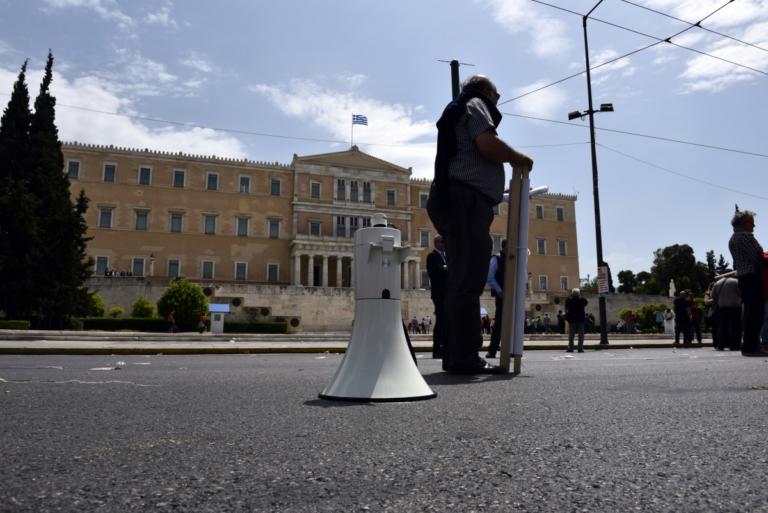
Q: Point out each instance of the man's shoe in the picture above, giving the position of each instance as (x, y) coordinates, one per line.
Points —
(569, 350)
(581, 350)
(479, 367)
(757, 352)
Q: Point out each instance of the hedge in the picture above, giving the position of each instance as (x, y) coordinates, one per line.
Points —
(255, 327)
(129, 324)
(14, 325)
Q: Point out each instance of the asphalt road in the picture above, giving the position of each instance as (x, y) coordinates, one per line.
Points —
(631, 430)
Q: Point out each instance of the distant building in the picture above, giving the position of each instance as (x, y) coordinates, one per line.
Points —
(219, 221)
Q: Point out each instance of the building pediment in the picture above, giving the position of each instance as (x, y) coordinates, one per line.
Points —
(352, 159)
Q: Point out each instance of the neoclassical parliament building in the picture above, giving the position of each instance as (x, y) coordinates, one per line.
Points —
(224, 221)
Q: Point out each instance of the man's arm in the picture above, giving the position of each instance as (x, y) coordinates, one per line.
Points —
(492, 268)
(496, 150)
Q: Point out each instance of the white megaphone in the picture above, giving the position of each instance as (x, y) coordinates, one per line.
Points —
(378, 364)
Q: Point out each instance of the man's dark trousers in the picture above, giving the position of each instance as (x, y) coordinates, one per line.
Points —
(683, 325)
(729, 327)
(496, 331)
(465, 225)
(439, 332)
(753, 306)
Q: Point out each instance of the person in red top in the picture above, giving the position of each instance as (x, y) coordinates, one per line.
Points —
(695, 319)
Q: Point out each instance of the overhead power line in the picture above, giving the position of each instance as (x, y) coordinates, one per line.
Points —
(658, 41)
(699, 25)
(688, 177)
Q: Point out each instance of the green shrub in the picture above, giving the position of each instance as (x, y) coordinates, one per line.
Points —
(153, 325)
(142, 309)
(14, 325)
(255, 327)
(96, 306)
(116, 311)
(188, 302)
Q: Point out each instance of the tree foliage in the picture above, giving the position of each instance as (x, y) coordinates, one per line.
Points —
(187, 300)
(628, 281)
(142, 308)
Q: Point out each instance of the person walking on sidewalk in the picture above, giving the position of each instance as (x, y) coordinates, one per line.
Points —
(496, 269)
(576, 317)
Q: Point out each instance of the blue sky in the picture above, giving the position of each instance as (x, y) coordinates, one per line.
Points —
(264, 80)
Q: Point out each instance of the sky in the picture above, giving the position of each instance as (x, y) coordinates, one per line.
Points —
(267, 80)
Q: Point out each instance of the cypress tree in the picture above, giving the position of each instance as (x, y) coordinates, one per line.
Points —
(19, 236)
(62, 274)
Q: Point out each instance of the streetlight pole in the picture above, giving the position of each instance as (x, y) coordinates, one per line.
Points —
(595, 191)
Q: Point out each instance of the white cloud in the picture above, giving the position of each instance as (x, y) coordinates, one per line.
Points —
(97, 94)
(548, 34)
(546, 103)
(107, 9)
(393, 127)
(197, 62)
(161, 17)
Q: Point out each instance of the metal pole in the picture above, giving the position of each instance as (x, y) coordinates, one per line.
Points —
(595, 191)
(455, 78)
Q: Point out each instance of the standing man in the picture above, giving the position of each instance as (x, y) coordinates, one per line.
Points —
(468, 183)
(682, 318)
(747, 260)
(576, 317)
(437, 268)
(727, 300)
(496, 281)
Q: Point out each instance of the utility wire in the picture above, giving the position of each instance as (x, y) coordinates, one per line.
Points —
(662, 168)
(647, 136)
(697, 25)
(658, 41)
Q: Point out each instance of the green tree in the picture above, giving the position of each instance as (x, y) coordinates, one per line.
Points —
(116, 311)
(96, 307)
(61, 276)
(711, 265)
(722, 266)
(678, 263)
(19, 237)
(187, 300)
(628, 281)
(142, 308)
(645, 283)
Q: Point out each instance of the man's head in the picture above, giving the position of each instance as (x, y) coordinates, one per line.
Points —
(743, 221)
(439, 243)
(483, 85)
(576, 292)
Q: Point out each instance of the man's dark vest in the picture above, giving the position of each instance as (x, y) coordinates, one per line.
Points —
(501, 264)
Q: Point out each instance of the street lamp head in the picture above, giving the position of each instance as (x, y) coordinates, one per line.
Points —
(573, 115)
(606, 107)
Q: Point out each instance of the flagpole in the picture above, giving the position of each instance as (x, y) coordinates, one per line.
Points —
(352, 134)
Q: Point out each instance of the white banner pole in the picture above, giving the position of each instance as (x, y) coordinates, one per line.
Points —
(510, 277)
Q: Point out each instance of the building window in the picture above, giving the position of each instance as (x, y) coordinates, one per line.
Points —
(560, 213)
(273, 273)
(423, 198)
(274, 188)
(424, 238)
(543, 282)
(212, 181)
(241, 271)
(176, 219)
(138, 266)
(391, 197)
(102, 264)
(105, 218)
(142, 219)
(354, 223)
(314, 190)
(563, 282)
(179, 178)
(341, 226)
(209, 224)
(353, 191)
(274, 228)
(497, 209)
(174, 268)
(496, 243)
(73, 169)
(110, 172)
(562, 248)
(207, 271)
(314, 228)
(341, 189)
(245, 184)
(366, 222)
(539, 211)
(366, 192)
(541, 246)
(242, 226)
(145, 175)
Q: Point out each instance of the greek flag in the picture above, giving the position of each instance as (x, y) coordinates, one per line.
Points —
(359, 119)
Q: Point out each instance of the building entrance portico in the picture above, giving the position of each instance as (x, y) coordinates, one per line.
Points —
(321, 264)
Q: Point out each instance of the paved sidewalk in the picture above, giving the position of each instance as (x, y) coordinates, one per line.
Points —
(95, 342)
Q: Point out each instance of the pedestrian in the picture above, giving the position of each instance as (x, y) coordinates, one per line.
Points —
(695, 319)
(468, 184)
(682, 319)
(560, 322)
(171, 318)
(747, 262)
(710, 314)
(201, 323)
(496, 268)
(727, 300)
(547, 323)
(576, 317)
(669, 322)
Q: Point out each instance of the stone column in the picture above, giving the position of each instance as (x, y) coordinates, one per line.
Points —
(297, 269)
(406, 276)
(325, 271)
(310, 271)
(338, 271)
(417, 281)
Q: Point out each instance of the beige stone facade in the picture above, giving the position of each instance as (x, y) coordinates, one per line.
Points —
(237, 222)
